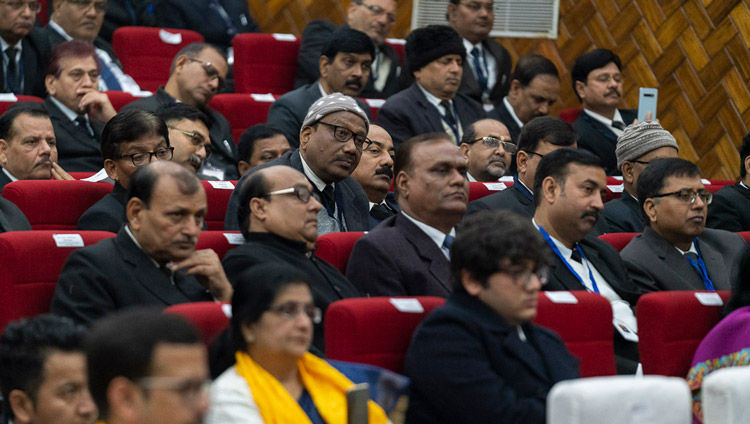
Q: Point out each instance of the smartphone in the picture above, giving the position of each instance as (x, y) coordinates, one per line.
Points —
(647, 103)
(356, 403)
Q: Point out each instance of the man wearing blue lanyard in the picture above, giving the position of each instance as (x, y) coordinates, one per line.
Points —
(675, 251)
(568, 191)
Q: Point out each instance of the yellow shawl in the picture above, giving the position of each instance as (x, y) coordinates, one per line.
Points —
(326, 385)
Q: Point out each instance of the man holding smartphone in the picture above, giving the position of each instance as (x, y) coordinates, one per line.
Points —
(597, 81)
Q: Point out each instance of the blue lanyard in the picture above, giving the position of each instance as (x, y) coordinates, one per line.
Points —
(454, 125)
(554, 248)
(701, 268)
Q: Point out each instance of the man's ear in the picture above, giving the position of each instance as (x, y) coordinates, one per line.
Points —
(550, 189)
(124, 399)
(49, 84)
(243, 167)
(649, 206)
(450, 13)
(323, 66)
(521, 159)
(111, 168)
(471, 284)
(515, 89)
(22, 406)
(464, 148)
(747, 165)
(3, 152)
(580, 86)
(402, 182)
(258, 209)
(304, 137)
(133, 211)
(627, 172)
(180, 62)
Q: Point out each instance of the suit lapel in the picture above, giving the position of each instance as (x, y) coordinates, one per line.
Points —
(429, 112)
(675, 264)
(432, 256)
(524, 353)
(714, 265)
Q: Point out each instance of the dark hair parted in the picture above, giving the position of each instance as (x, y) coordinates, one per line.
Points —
(744, 153)
(256, 185)
(487, 239)
(555, 165)
(531, 66)
(24, 347)
(653, 179)
(347, 40)
(8, 118)
(173, 112)
(585, 63)
(404, 162)
(145, 178)
(130, 125)
(123, 344)
(248, 138)
(548, 129)
(72, 48)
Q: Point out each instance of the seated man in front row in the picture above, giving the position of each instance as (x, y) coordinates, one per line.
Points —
(675, 251)
(479, 359)
(152, 260)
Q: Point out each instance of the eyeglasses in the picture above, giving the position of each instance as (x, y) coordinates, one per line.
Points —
(641, 162)
(300, 190)
(604, 78)
(494, 143)
(343, 135)
(523, 278)
(290, 310)
(211, 71)
(195, 137)
(474, 6)
(534, 154)
(378, 11)
(139, 159)
(687, 195)
(100, 7)
(34, 6)
(189, 390)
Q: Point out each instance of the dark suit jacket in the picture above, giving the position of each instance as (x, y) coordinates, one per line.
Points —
(223, 150)
(409, 113)
(623, 215)
(288, 111)
(35, 53)
(655, 264)
(399, 259)
(327, 283)
(308, 57)
(108, 214)
(598, 139)
(511, 199)
(4, 180)
(56, 38)
(11, 218)
(390, 200)
(354, 208)
(115, 274)
(500, 113)
(730, 209)
(118, 16)
(470, 85)
(467, 365)
(76, 153)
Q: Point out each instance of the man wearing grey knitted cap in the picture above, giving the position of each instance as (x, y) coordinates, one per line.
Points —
(332, 138)
(638, 145)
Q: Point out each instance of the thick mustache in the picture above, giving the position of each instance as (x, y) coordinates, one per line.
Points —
(384, 171)
(614, 92)
(355, 81)
(590, 212)
(44, 162)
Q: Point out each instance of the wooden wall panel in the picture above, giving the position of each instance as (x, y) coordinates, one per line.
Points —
(697, 52)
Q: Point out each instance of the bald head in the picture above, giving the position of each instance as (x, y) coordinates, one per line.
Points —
(375, 169)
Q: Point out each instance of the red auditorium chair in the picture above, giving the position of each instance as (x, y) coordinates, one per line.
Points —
(585, 327)
(5, 103)
(372, 330)
(335, 248)
(478, 190)
(618, 240)
(671, 325)
(375, 105)
(120, 99)
(745, 236)
(42, 18)
(265, 63)
(210, 318)
(81, 175)
(31, 262)
(570, 115)
(146, 53)
(217, 196)
(242, 110)
(55, 205)
(220, 241)
(399, 45)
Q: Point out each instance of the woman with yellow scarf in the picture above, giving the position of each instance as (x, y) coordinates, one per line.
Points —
(275, 379)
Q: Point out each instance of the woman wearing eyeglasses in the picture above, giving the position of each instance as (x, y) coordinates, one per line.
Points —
(275, 379)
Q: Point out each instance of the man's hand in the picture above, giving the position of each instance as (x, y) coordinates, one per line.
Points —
(97, 105)
(206, 267)
(59, 174)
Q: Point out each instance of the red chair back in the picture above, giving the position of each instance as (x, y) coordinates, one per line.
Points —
(745, 236)
(120, 99)
(570, 115)
(242, 110)
(30, 262)
(265, 63)
(209, 318)
(5, 104)
(671, 325)
(146, 54)
(220, 241)
(477, 190)
(585, 327)
(618, 240)
(335, 248)
(55, 205)
(217, 196)
(399, 45)
(373, 330)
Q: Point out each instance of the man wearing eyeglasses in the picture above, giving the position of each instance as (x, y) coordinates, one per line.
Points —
(675, 251)
(488, 151)
(24, 50)
(375, 174)
(82, 20)
(373, 17)
(597, 81)
(188, 134)
(152, 260)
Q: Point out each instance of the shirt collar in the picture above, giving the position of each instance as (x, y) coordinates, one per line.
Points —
(4, 45)
(606, 121)
(512, 112)
(434, 100)
(132, 237)
(437, 236)
(322, 91)
(66, 110)
(12, 178)
(54, 25)
(692, 249)
(469, 47)
(317, 182)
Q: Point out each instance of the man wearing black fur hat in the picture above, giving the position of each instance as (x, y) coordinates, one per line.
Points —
(432, 103)
(597, 81)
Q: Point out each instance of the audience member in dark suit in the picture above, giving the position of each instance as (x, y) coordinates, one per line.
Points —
(432, 103)
(152, 260)
(408, 254)
(375, 18)
(486, 75)
(259, 144)
(82, 21)
(131, 139)
(11, 218)
(597, 81)
(22, 71)
(487, 149)
(197, 75)
(636, 147)
(534, 88)
(344, 67)
(122, 13)
(27, 145)
(279, 217)
(479, 358)
(568, 189)
(329, 152)
(675, 251)
(375, 173)
(188, 134)
(730, 208)
(541, 137)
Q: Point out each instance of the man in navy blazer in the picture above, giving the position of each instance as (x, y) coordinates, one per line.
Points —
(408, 253)
(30, 50)
(432, 103)
(375, 173)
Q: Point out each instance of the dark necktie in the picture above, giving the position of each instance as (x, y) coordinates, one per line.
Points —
(381, 212)
(448, 241)
(448, 112)
(694, 257)
(83, 125)
(329, 199)
(575, 255)
(11, 75)
(619, 125)
(109, 77)
(481, 73)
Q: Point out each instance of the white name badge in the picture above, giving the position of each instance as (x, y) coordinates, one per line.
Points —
(68, 240)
